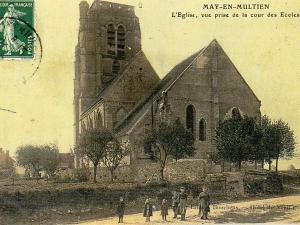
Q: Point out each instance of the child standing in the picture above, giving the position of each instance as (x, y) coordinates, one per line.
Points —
(175, 202)
(204, 204)
(164, 209)
(121, 209)
(148, 210)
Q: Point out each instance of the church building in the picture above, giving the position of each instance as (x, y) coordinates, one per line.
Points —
(116, 87)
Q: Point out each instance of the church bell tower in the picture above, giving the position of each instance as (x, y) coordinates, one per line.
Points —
(109, 36)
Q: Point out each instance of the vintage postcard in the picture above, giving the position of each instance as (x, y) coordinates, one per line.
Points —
(149, 112)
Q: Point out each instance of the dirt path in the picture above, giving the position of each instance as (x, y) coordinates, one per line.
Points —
(273, 210)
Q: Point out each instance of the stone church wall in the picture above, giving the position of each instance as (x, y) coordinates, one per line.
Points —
(232, 89)
(193, 88)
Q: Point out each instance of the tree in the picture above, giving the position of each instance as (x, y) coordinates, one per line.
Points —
(113, 156)
(285, 141)
(93, 144)
(278, 141)
(268, 139)
(37, 158)
(240, 139)
(29, 156)
(50, 159)
(169, 140)
(235, 139)
(256, 154)
(183, 141)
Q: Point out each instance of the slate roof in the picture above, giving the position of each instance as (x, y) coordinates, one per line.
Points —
(164, 84)
(107, 89)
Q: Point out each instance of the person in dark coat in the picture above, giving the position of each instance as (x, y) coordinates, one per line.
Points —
(164, 209)
(182, 203)
(148, 210)
(175, 202)
(204, 203)
(121, 209)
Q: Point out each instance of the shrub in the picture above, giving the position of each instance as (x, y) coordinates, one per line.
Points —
(81, 175)
(63, 176)
(274, 183)
(72, 175)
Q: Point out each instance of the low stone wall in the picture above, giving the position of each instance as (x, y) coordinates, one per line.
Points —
(234, 184)
(228, 184)
(186, 170)
(180, 171)
(122, 174)
(146, 172)
(262, 181)
(183, 171)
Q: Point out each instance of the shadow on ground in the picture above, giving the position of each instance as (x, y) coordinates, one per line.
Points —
(271, 215)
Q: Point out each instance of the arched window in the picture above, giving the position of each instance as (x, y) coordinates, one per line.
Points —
(115, 67)
(90, 123)
(190, 118)
(111, 39)
(121, 41)
(83, 127)
(121, 113)
(236, 113)
(98, 120)
(202, 130)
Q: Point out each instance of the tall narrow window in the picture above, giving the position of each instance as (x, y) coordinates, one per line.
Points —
(98, 122)
(236, 113)
(121, 42)
(90, 124)
(111, 39)
(202, 130)
(83, 127)
(190, 118)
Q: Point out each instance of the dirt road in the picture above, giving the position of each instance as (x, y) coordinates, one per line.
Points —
(273, 210)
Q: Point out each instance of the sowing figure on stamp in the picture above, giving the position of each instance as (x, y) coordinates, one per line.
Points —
(11, 43)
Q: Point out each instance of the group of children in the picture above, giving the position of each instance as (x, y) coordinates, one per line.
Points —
(148, 210)
(178, 205)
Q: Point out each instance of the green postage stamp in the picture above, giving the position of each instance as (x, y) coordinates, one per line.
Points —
(17, 32)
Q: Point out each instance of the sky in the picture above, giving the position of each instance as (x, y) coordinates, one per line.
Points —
(264, 50)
